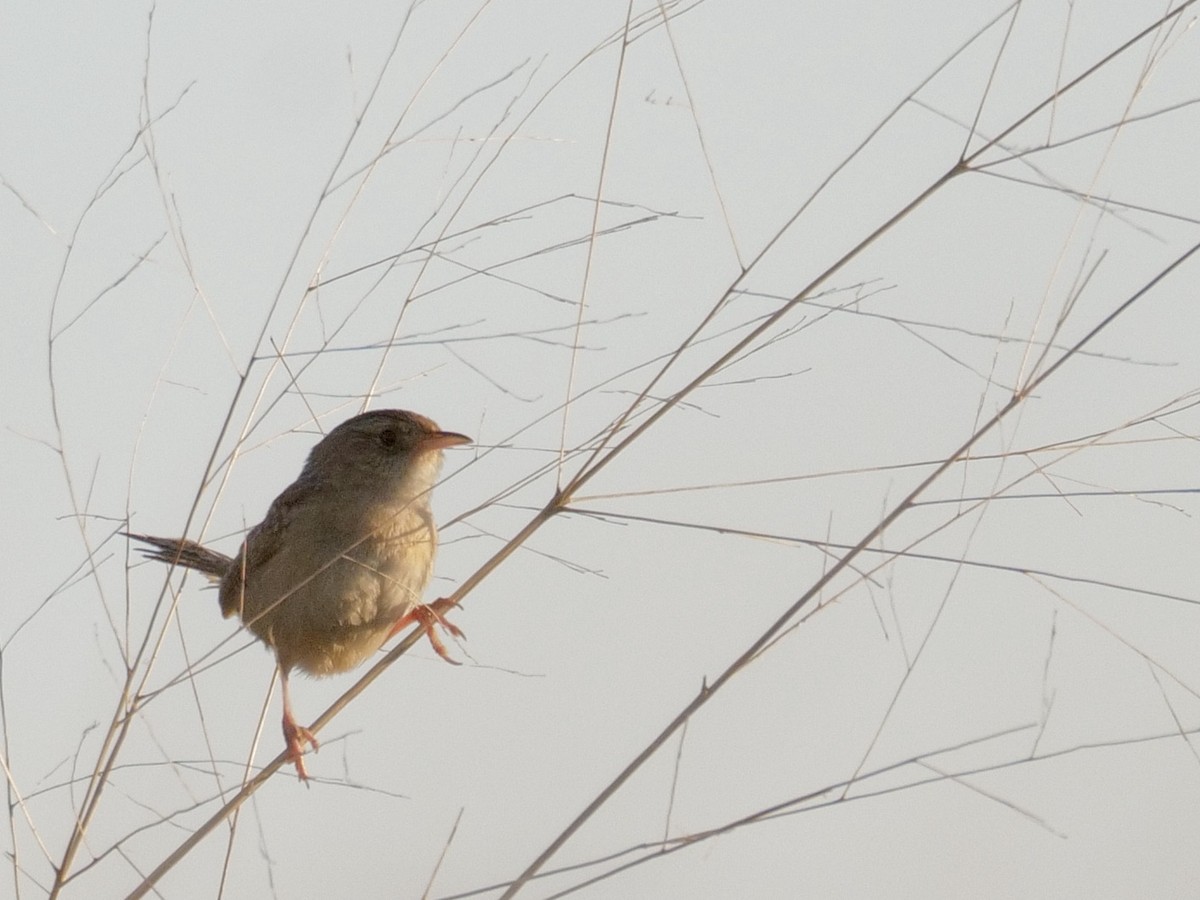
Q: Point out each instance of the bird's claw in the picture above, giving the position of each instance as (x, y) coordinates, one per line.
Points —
(429, 616)
(296, 736)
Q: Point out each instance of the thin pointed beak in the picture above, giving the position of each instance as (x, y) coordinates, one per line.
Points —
(440, 440)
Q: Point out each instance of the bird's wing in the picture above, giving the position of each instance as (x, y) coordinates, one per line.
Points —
(262, 542)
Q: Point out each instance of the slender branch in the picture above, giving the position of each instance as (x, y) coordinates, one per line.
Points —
(781, 622)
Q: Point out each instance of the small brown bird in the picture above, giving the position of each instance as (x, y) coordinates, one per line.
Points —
(339, 563)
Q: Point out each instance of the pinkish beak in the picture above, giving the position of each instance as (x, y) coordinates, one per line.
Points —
(439, 440)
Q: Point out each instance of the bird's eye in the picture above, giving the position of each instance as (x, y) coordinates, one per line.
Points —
(387, 437)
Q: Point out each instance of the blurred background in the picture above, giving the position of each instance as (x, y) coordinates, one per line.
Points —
(227, 228)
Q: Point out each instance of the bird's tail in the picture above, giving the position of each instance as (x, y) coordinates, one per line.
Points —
(182, 552)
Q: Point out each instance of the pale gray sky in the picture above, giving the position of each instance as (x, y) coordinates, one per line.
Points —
(171, 186)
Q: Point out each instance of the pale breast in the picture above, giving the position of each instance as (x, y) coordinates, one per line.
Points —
(331, 608)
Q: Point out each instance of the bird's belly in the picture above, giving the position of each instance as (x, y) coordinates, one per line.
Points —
(332, 651)
(333, 618)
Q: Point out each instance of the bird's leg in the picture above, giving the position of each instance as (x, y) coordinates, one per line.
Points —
(295, 735)
(429, 616)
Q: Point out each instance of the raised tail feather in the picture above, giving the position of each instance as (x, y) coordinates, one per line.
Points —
(182, 552)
